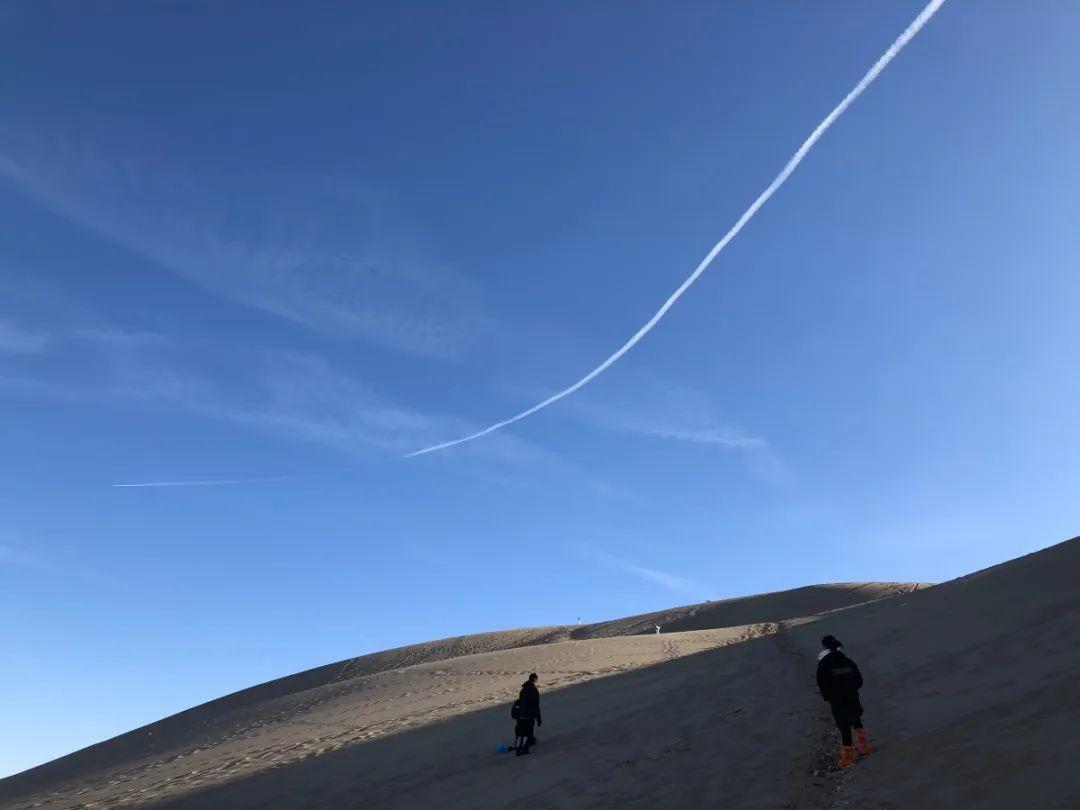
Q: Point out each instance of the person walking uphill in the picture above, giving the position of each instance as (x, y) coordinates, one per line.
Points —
(839, 681)
(526, 711)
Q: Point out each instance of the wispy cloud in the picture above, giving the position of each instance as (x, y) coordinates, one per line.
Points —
(661, 409)
(14, 339)
(15, 554)
(673, 582)
(292, 395)
(217, 483)
(789, 168)
(338, 262)
(289, 393)
(11, 555)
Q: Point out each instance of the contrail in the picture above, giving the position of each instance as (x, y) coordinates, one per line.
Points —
(228, 482)
(897, 46)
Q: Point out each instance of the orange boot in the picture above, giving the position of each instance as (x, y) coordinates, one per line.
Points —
(862, 742)
(847, 756)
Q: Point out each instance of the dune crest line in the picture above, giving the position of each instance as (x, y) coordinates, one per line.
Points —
(897, 46)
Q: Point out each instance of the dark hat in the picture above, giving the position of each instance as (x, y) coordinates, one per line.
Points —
(831, 643)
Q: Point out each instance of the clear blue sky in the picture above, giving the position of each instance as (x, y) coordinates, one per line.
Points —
(296, 240)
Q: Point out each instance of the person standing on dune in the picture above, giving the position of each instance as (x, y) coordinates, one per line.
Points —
(526, 712)
(839, 681)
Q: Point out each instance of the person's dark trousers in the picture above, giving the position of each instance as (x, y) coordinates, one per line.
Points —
(524, 733)
(847, 712)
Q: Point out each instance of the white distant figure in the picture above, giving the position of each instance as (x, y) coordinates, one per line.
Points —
(657, 629)
(579, 621)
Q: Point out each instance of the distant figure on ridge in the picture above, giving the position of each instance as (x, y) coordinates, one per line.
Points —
(839, 680)
(526, 711)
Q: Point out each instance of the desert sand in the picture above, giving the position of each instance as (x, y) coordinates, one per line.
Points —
(972, 700)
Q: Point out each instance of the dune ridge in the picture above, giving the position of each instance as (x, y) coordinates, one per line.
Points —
(719, 709)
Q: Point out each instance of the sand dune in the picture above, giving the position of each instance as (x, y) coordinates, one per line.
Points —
(971, 696)
(205, 727)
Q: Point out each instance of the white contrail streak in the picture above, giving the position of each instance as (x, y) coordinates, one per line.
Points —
(781, 178)
(223, 483)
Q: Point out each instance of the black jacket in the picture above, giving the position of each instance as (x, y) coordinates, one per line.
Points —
(529, 702)
(838, 677)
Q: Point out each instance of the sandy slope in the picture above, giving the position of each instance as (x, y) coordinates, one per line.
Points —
(278, 722)
(971, 694)
(974, 688)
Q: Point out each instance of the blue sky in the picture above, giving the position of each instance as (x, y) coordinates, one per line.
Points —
(296, 242)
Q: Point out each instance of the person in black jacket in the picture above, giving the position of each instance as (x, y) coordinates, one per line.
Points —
(839, 681)
(528, 716)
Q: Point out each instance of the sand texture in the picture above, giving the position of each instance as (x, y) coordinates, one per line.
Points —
(972, 699)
